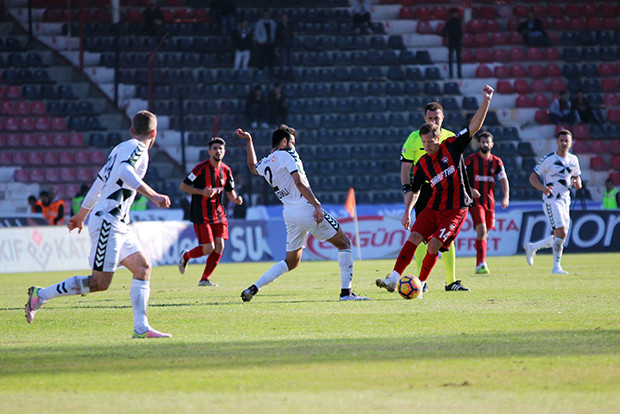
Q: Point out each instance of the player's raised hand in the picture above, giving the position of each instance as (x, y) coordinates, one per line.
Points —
(243, 134)
(487, 92)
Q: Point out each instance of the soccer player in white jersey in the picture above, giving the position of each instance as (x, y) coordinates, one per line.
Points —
(113, 244)
(556, 173)
(303, 213)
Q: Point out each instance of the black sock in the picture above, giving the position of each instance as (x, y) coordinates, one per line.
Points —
(253, 289)
(345, 292)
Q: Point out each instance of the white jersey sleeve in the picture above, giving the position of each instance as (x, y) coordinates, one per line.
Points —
(116, 195)
(277, 169)
(558, 172)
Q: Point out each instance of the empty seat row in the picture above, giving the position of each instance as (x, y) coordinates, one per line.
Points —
(52, 158)
(21, 60)
(38, 123)
(26, 76)
(22, 108)
(56, 175)
(513, 54)
(47, 92)
(555, 9)
(591, 54)
(598, 147)
(43, 140)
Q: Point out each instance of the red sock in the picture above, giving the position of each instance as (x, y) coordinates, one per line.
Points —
(195, 253)
(404, 257)
(427, 265)
(481, 251)
(212, 261)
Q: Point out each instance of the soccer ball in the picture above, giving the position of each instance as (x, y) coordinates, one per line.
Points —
(409, 287)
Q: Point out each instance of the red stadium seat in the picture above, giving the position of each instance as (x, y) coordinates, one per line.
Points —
(513, 24)
(605, 9)
(134, 16)
(516, 54)
(424, 27)
(26, 124)
(83, 174)
(35, 158)
(606, 69)
(500, 39)
(487, 12)
(609, 23)
(588, 9)
(500, 55)
(492, 26)
(538, 85)
(476, 26)
(76, 140)
(613, 115)
(615, 176)
(21, 176)
(52, 175)
(542, 117)
(611, 99)
(615, 162)
(42, 124)
(614, 148)
(406, 13)
(469, 40)
(518, 71)
(58, 124)
(45, 141)
(201, 15)
(5, 158)
(580, 147)
(581, 132)
(183, 15)
(67, 174)
(29, 141)
(483, 55)
(536, 71)
(8, 108)
(12, 92)
(20, 158)
(504, 87)
(81, 157)
(2, 141)
(552, 70)
(50, 158)
(541, 101)
(467, 56)
(598, 147)
(13, 141)
(501, 72)
(22, 108)
(483, 71)
(521, 86)
(440, 13)
(557, 85)
(60, 140)
(609, 84)
(553, 10)
(523, 101)
(577, 23)
(423, 13)
(598, 163)
(72, 189)
(38, 108)
(572, 10)
(1, 91)
(594, 22)
(11, 124)
(37, 175)
(534, 53)
(483, 40)
(66, 158)
(520, 11)
(97, 157)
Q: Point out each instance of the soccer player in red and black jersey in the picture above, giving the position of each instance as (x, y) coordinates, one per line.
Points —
(482, 169)
(206, 183)
(440, 222)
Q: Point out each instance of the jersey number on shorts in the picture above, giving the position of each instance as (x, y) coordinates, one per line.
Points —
(443, 234)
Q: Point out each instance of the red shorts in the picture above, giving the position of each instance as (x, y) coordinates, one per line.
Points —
(441, 224)
(206, 233)
(480, 215)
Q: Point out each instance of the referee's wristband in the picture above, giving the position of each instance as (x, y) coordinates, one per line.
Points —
(407, 188)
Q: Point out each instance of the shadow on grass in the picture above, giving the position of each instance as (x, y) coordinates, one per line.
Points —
(172, 354)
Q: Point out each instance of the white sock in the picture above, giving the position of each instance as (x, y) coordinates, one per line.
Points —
(394, 277)
(139, 293)
(558, 248)
(345, 261)
(75, 285)
(543, 244)
(272, 274)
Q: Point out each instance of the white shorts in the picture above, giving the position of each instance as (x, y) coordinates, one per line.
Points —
(558, 212)
(112, 241)
(299, 223)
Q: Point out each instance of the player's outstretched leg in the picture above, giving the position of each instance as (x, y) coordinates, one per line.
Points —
(183, 261)
(33, 304)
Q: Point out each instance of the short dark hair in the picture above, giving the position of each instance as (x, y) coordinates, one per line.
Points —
(216, 140)
(485, 134)
(609, 180)
(143, 123)
(564, 132)
(281, 132)
(429, 128)
(433, 106)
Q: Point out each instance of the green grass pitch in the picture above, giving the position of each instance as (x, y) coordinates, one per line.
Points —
(522, 341)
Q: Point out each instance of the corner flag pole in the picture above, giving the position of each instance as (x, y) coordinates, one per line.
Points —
(351, 206)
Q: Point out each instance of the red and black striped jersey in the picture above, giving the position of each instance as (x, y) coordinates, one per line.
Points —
(445, 171)
(482, 173)
(209, 210)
